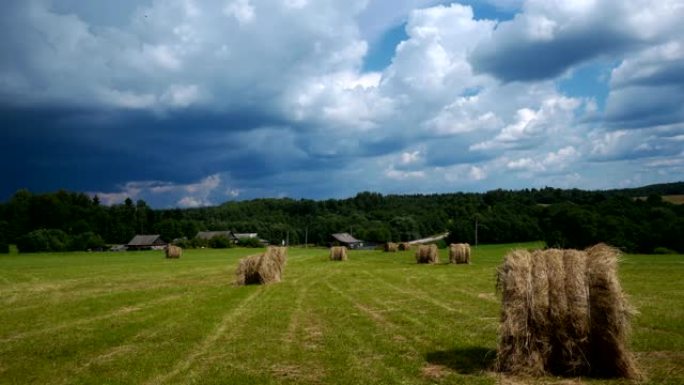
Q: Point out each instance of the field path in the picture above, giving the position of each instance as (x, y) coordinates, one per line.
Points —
(200, 349)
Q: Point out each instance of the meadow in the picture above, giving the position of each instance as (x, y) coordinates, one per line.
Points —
(379, 318)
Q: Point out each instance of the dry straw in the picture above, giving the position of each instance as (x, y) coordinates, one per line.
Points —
(404, 246)
(459, 253)
(391, 247)
(173, 251)
(563, 313)
(610, 313)
(262, 268)
(427, 254)
(338, 253)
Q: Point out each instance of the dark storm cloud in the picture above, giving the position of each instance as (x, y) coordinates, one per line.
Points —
(529, 61)
(46, 149)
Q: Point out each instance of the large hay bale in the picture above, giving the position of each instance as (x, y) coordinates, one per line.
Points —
(517, 353)
(610, 313)
(338, 253)
(459, 253)
(564, 313)
(427, 254)
(263, 268)
(391, 247)
(404, 246)
(278, 253)
(574, 360)
(247, 271)
(558, 306)
(172, 251)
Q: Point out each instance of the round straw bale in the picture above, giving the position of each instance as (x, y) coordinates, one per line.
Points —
(404, 246)
(427, 254)
(459, 253)
(338, 253)
(564, 312)
(517, 352)
(278, 253)
(263, 268)
(391, 247)
(610, 315)
(577, 316)
(173, 251)
(247, 271)
(540, 295)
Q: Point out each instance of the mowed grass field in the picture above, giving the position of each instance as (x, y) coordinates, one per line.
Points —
(137, 318)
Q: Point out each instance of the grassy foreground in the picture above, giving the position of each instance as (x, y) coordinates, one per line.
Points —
(136, 318)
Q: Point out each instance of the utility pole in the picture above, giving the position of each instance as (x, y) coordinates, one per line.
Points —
(306, 237)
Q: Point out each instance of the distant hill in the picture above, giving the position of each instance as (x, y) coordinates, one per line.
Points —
(676, 188)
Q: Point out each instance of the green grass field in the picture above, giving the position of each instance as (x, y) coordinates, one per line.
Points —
(137, 318)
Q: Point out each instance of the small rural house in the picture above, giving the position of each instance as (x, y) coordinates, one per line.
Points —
(146, 242)
(233, 237)
(207, 235)
(345, 239)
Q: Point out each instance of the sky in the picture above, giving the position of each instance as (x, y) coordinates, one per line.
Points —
(189, 103)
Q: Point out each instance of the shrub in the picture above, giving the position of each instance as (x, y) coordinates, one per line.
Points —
(198, 243)
(43, 240)
(249, 242)
(4, 248)
(86, 241)
(663, 250)
(184, 243)
(220, 242)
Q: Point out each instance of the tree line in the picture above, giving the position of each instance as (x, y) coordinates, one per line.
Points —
(636, 220)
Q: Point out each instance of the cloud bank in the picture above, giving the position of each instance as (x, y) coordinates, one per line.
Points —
(190, 103)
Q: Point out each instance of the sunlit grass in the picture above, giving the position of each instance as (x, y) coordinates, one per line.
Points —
(379, 318)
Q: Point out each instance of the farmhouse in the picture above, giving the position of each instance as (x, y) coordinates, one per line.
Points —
(207, 235)
(345, 239)
(233, 237)
(146, 242)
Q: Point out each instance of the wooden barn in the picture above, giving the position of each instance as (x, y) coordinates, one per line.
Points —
(146, 242)
(207, 235)
(346, 239)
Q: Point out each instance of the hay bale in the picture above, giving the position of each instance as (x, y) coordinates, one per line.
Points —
(338, 253)
(247, 271)
(262, 268)
(564, 313)
(558, 306)
(278, 253)
(427, 254)
(574, 347)
(459, 253)
(610, 315)
(172, 251)
(540, 306)
(404, 246)
(516, 352)
(391, 247)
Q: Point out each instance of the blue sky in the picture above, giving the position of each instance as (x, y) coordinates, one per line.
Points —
(186, 103)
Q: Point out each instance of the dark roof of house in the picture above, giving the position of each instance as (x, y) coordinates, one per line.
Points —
(212, 234)
(146, 240)
(345, 238)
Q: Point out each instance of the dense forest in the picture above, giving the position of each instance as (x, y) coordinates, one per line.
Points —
(636, 220)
